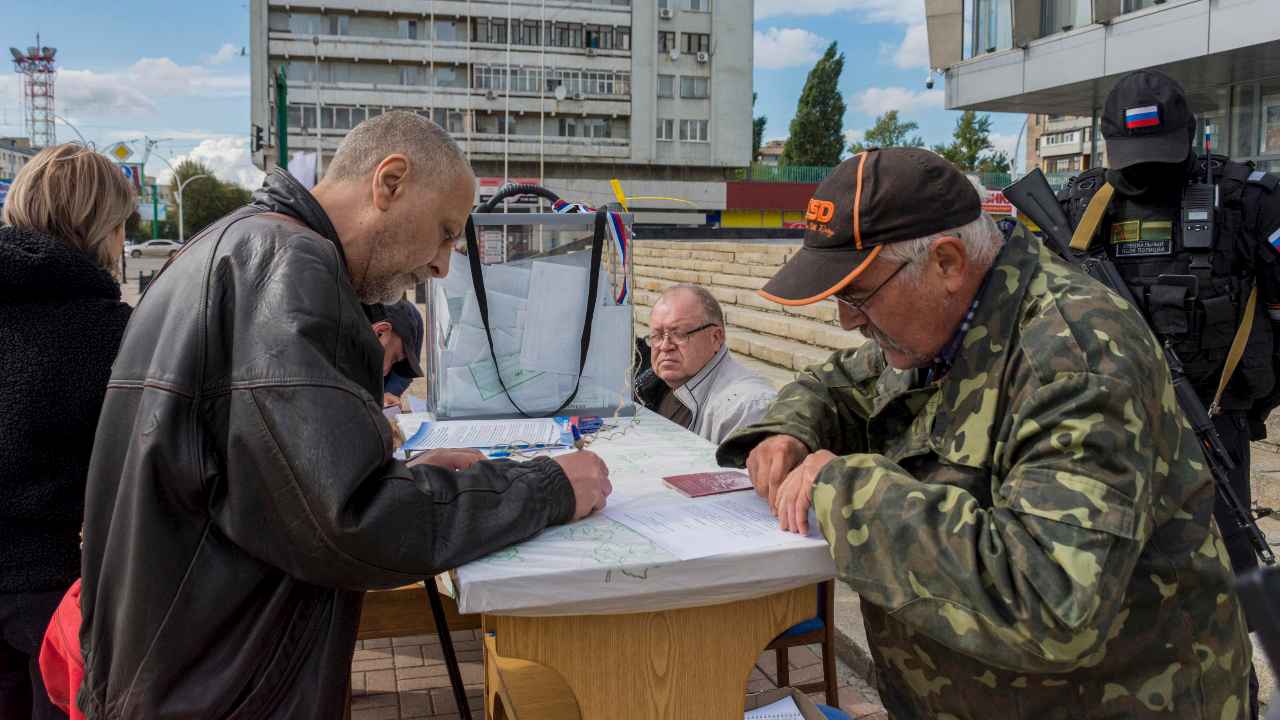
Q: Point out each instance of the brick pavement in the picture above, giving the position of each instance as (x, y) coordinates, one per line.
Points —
(404, 677)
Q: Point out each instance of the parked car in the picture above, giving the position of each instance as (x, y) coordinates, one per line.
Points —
(161, 248)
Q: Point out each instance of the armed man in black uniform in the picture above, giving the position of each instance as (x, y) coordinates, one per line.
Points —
(1197, 240)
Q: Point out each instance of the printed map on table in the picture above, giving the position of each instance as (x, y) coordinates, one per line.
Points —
(596, 542)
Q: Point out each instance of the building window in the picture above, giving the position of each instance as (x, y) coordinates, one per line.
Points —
(664, 4)
(666, 86)
(693, 87)
(623, 35)
(700, 5)
(990, 26)
(696, 43)
(666, 129)
(1062, 15)
(599, 37)
(1135, 5)
(408, 29)
(693, 130)
(339, 25)
(527, 33)
(489, 30)
(666, 41)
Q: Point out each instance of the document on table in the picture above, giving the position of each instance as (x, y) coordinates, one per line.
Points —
(484, 433)
(702, 527)
(784, 709)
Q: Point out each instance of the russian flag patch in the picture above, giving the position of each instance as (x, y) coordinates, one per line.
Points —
(1140, 117)
(1275, 240)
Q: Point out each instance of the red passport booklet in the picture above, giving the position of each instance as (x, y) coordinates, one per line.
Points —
(708, 483)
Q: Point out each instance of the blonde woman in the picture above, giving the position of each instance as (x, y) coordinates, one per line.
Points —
(61, 320)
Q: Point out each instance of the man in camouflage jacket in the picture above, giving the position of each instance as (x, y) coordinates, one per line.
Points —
(1017, 500)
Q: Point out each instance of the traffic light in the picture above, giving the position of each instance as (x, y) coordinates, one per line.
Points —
(257, 143)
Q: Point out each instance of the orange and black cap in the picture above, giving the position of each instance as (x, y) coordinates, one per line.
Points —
(872, 199)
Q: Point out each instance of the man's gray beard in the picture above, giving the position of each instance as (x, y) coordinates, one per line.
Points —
(885, 342)
(391, 289)
(385, 290)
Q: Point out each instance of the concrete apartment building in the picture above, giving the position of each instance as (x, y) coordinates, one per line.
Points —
(1061, 144)
(1061, 57)
(571, 92)
(14, 153)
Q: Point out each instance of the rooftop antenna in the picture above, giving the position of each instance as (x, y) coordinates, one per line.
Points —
(39, 72)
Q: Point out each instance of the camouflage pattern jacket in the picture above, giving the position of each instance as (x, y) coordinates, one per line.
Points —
(1031, 534)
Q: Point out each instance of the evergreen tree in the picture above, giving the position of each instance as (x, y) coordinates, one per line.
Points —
(757, 130)
(889, 132)
(816, 130)
(971, 148)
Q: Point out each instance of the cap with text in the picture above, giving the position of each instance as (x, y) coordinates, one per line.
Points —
(874, 198)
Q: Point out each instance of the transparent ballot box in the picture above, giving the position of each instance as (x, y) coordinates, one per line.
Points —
(536, 273)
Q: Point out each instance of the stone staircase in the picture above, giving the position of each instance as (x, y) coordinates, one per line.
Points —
(770, 338)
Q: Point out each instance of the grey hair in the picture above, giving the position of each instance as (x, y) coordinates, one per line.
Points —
(427, 146)
(982, 242)
(711, 311)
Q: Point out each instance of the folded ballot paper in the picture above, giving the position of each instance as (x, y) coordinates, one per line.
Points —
(536, 312)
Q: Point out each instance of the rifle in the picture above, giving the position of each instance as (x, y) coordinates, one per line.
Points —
(1033, 197)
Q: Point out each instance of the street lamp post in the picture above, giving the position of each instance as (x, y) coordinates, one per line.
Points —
(182, 185)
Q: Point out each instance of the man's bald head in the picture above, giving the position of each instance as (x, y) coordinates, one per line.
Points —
(399, 192)
(425, 144)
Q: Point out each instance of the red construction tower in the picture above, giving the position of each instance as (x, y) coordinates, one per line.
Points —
(39, 73)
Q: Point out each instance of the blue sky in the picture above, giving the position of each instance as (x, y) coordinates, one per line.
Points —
(173, 70)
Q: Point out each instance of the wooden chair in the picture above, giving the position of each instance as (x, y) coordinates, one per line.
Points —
(820, 629)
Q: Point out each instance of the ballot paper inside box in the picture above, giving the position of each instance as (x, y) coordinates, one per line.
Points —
(537, 271)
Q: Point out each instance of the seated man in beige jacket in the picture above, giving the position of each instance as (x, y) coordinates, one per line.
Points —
(694, 382)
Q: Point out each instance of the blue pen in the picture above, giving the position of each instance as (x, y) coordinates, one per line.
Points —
(577, 437)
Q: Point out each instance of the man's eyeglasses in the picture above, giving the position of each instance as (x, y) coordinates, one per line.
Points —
(679, 337)
(859, 303)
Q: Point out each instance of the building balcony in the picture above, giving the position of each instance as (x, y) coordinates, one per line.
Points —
(417, 96)
(558, 10)
(1067, 124)
(492, 146)
(1069, 148)
(292, 46)
(1198, 42)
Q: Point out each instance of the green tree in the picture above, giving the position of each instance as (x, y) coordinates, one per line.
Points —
(816, 135)
(205, 199)
(889, 132)
(757, 130)
(971, 148)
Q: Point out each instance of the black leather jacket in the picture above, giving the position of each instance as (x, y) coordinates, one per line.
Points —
(242, 494)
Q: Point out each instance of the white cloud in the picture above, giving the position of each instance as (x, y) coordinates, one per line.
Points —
(228, 158)
(137, 88)
(1005, 143)
(853, 136)
(913, 52)
(225, 54)
(877, 101)
(787, 47)
(903, 12)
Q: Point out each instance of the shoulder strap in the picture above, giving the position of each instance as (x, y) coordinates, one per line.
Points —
(1237, 349)
(1084, 232)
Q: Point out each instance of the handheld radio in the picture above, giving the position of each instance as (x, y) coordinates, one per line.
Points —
(1199, 201)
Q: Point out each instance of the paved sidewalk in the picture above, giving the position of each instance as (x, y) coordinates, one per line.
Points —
(405, 677)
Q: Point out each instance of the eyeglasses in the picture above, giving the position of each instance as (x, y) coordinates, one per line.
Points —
(679, 337)
(859, 303)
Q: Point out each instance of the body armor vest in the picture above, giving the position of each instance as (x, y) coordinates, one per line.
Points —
(1192, 298)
